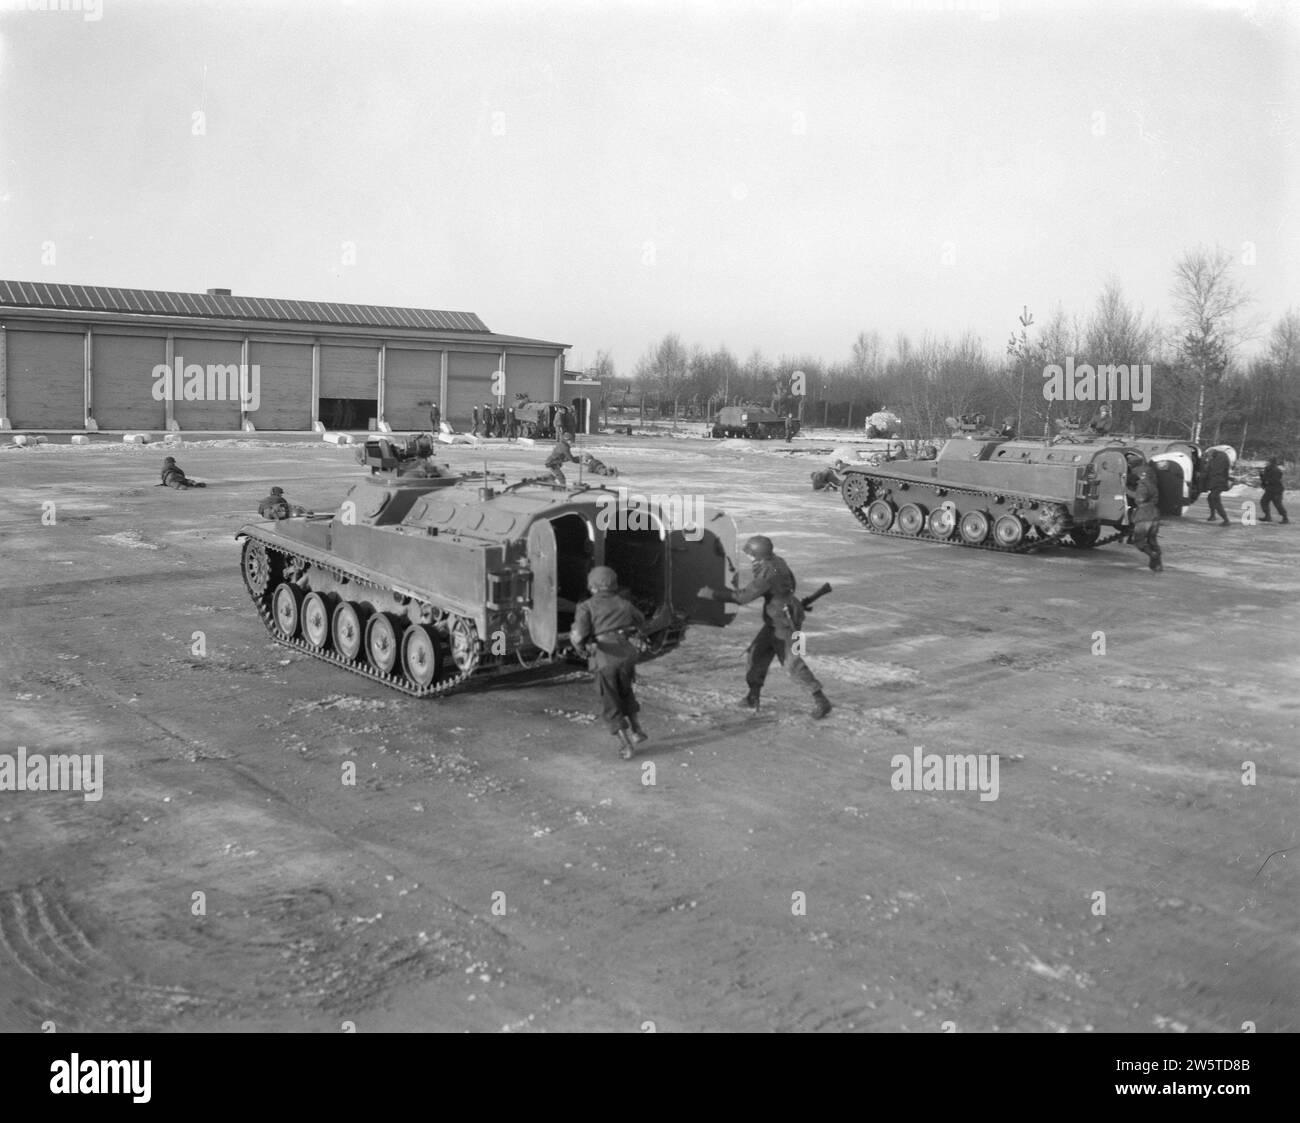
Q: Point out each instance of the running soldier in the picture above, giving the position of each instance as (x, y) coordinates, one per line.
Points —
(1143, 488)
(783, 616)
(601, 630)
(174, 476)
(1270, 479)
(1217, 481)
(561, 454)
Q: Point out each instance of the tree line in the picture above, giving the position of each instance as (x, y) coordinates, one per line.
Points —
(1201, 386)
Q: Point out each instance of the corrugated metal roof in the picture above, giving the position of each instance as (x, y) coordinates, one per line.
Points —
(87, 298)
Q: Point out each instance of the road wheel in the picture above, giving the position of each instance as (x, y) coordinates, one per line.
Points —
(911, 518)
(348, 632)
(464, 644)
(421, 655)
(856, 490)
(942, 522)
(316, 620)
(285, 612)
(1009, 531)
(974, 527)
(880, 515)
(1085, 537)
(381, 643)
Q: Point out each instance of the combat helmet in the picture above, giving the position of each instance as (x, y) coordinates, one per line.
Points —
(277, 490)
(602, 579)
(759, 547)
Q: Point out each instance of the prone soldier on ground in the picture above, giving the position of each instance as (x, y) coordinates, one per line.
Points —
(174, 476)
(597, 467)
(783, 616)
(833, 477)
(604, 628)
(276, 506)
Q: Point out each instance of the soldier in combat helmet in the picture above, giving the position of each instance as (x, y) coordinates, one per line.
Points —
(1144, 489)
(276, 506)
(783, 616)
(174, 476)
(601, 629)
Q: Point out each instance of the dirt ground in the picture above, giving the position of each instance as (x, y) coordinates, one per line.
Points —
(631, 905)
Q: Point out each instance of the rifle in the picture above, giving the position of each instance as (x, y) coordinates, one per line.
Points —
(812, 599)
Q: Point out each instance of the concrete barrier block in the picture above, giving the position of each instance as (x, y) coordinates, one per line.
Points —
(137, 438)
(249, 427)
(173, 426)
(91, 426)
(318, 426)
(338, 438)
(173, 440)
(4, 424)
(527, 442)
(384, 427)
(79, 439)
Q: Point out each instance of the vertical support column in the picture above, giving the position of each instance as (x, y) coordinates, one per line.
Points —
(316, 426)
(244, 376)
(4, 380)
(173, 385)
(559, 378)
(442, 387)
(384, 427)
(92, 426)
(505, 383)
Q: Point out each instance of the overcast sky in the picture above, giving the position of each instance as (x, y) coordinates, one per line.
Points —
(761, 175)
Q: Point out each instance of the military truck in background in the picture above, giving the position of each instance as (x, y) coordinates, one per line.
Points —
(752, 422)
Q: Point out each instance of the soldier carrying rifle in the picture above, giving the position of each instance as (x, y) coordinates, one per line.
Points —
(783, 615)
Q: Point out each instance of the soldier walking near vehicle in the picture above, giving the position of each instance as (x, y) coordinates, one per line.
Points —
(174, 476)
(487, 421)
(789, 429)
(1143, 487)
(512, 423)
(435, 418)
(499, 420)
(561, 454)
(1270, 479)
(1217, 481)
(601, 629)
(476, 422)
(783, 616)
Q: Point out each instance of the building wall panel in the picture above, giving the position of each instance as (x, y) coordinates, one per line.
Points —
(46, 372)
(532, 375)
(285, 373)
(124, 380)
(469, 384)
(412, 380)
(349, 372)
(217, 413)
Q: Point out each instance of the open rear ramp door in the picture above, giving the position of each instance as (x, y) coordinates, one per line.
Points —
(542, 616)
(1174, 475)
(703, 555)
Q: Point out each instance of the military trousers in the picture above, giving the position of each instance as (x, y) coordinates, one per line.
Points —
(1275, 499)
(1216, 506)
(768, 645)
(614, 686)
(1145, 539)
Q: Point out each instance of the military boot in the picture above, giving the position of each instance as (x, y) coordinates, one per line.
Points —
(625, 744)
(821, 707)
(750, 701)
(638, 734)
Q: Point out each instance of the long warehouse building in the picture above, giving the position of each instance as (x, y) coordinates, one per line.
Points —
(76, 357)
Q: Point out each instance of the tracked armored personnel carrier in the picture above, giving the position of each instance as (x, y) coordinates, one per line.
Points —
(754, 422)
(1015, 495)
(425, 583)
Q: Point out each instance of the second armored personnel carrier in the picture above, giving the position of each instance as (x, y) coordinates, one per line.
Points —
(1013, 495)
(755, 422)
(423, 583)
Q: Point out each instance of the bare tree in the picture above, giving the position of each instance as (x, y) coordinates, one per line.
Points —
(1208, 302)
(665, 369)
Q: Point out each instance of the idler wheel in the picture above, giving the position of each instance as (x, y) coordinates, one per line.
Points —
(911, 518)
(880, 515)
(316, 620)
(1009, 531)
(974, 527)
(856, 489)
(257, 566)
(421, 655)
(942, 522)
(381, 643)
(285, 614)
(349, 634)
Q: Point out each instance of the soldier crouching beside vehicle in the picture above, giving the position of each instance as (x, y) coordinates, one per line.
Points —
(174, 476)
(783, 616)
(601, 629)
